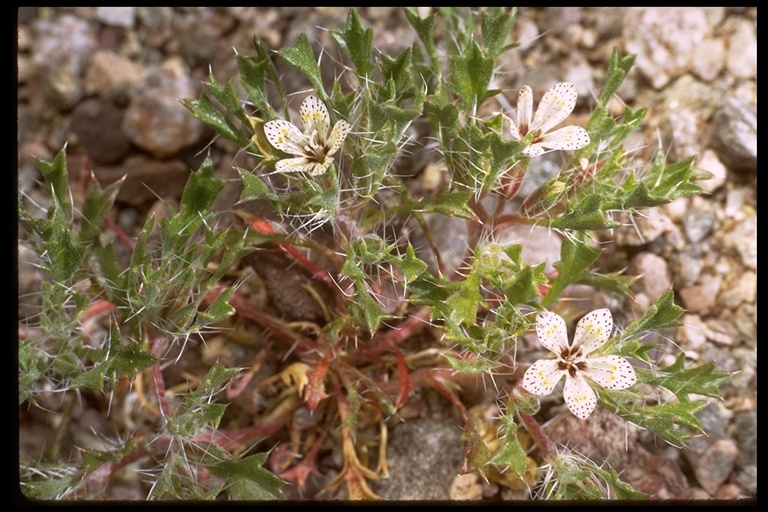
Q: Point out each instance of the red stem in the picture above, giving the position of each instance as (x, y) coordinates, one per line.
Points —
(541, 437)
(156, 347)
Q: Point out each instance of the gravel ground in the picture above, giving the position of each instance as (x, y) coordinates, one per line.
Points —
(106, 80)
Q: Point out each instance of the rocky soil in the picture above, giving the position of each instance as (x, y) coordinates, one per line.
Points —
(106, 82)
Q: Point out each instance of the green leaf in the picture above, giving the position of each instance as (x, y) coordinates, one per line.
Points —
(662, 314)
(623, 490)
(450, 204)
(575, 258)
(128, 360)
(522, 288)
(511, 453)
(618, 67)
(666, 182)
(131, 359)
(614, 282)
(216, 376)
(49, 489)
(247, 480)
(56, 174)
(302, 57)
(253, 71)
(96, 206)
(198, 196)
(586, 214)
(478, 454)
(474, 365)
(397, 69)
(410, 265)
(212, 117)
(701, 380)
(464, 303)
(442, 112)
(427, 291)
(356, 42)
(663, 420)
(65, 252)
(495, 25)
(472, 72)
(370, 309)
(424, 28)
(216, 312)
(227, 97)
(197, 410)
(94, 459)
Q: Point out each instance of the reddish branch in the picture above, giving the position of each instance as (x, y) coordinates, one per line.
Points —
(247, 310)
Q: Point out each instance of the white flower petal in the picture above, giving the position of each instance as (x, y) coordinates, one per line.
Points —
(298, 164)
(555, 106)
(525, 108)
(340, 131)
(579, 397)
(552, 332)
(534, 150)
(542, 377)
(314, 116)
(321, 167)
(284, 136)
(593, 330)
(612, 372)
(569, 137)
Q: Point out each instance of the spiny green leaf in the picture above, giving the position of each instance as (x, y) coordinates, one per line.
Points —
(49, 489)
(511, 454)
(370, 309)
(397, 69)
(662, 314)
(227, 97)
(57, 176)
(472, 72)
(522, 287)
(623, 490)
(473, 365)
(424, 28)
(216, 376)
(411, 266)
(586, 214)
(131, 359)
(65, 252)
(463, 303)
(618, 67)
(451, 204)
(253, 71)
(575, 258)
(356, 42)
(216, 312)
(206, 112)
(200, 191)
(442, 112)
(614, 282)
(495, 26)
(96, 206)
(302, 57)
(478, 454)
(701, 380)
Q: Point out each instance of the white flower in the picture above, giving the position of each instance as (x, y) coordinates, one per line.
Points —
(313, 147)
(573, 361)
(556, 105)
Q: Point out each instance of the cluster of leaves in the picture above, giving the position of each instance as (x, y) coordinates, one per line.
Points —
(150, 302)
(170, 292)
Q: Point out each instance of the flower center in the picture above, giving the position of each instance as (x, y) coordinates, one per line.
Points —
(571, 361)
(314, 149)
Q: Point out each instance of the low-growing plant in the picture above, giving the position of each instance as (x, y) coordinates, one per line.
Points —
(346, 206)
